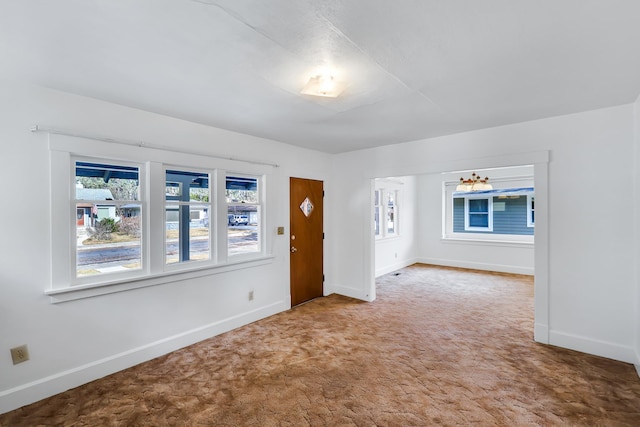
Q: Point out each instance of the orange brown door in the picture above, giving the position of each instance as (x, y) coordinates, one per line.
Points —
(305, 239)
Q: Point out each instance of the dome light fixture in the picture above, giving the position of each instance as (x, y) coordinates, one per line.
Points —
(323, 85)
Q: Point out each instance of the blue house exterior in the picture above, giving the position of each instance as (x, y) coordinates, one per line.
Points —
(502, 211)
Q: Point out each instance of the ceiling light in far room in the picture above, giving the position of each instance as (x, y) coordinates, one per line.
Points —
(475, 183)
(324, 85)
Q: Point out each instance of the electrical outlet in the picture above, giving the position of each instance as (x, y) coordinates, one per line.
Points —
(20, 354)
(280, 231)
(250, 295)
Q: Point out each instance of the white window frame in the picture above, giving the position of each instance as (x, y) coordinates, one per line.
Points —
(259, 207)
(153, 164)
(74, 279)
(377, 209)
(383, 232)
(489, 214)
(530, 210)
(188, 265)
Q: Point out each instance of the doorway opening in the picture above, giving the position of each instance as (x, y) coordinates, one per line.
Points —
(433, 238)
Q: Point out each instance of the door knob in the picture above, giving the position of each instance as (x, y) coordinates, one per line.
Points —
(293, 249)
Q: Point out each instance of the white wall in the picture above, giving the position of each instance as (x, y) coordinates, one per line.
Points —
(399, 251)
(585, 288)
(75, 342)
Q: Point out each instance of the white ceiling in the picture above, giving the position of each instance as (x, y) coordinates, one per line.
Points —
(415, 68)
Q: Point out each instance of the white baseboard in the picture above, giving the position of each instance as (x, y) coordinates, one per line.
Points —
(45, 387)
(541, 333)
(347, 292)
(395, 266)
(588, 345)
(637, 369)
(514, 269)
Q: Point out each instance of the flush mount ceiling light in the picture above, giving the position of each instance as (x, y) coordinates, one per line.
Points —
(323, 85)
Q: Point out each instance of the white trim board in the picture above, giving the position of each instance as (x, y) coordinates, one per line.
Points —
(395, 266)
(590, 346)
(347, 292)
(514, 269)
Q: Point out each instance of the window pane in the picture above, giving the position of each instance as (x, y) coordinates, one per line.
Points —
(187, 186)
(376, 220)
(241, 190)
(533, 210)
(391, 199)
(478, 205)
(187, 218)
(478, 220)
(391, 217)
(242, 229)
(96, 181)
(391, 225)
(187, 233)
(108, 242)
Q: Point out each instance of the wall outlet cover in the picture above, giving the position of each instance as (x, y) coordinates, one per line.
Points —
(19, 354)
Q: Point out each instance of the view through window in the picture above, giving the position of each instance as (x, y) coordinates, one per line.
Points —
(108, 215)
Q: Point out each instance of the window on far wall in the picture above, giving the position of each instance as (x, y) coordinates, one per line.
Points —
(501, 214)
(385, 213)
(478, 214)
(377, 209)
(504, 213)
(391, 212)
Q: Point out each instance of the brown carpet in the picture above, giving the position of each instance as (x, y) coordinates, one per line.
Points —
(440, 346)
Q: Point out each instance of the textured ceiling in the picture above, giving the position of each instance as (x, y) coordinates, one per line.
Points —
(415, 69)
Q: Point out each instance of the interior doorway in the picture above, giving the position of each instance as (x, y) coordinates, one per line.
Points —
(540, 270)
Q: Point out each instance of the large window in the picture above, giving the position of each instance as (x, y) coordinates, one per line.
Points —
(500, 214)
(503, 214)
(121, 223)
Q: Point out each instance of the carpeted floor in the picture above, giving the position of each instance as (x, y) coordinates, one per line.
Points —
(440, 346)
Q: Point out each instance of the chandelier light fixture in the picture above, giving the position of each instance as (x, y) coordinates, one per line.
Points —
(475, 183)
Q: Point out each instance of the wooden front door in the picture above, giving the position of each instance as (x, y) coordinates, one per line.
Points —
(305, 239)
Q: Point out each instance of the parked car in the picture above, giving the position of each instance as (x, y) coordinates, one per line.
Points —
(238, 219)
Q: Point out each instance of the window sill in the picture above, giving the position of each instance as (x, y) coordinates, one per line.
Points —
(487, 242)
(387, 238)
(73, 293)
